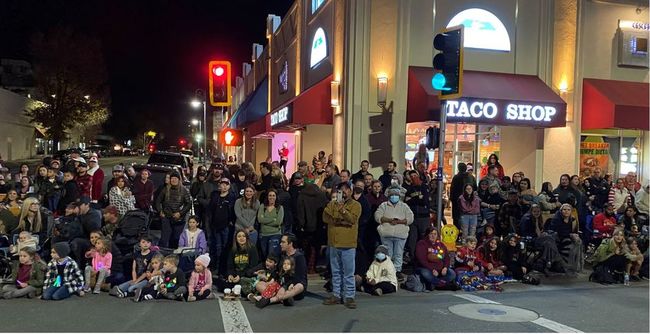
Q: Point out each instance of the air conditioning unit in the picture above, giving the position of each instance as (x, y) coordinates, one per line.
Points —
(633, 43)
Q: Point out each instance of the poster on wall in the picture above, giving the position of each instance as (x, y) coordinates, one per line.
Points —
(593, 155)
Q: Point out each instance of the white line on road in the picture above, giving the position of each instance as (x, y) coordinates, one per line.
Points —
(476, 299)
(541, 321)
(555, 326)
(234, 317)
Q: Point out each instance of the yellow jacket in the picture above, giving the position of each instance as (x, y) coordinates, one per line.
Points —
(342, 223)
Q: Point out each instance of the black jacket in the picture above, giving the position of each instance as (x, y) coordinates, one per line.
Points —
(309, 209)
(458, 183)
(222, 209)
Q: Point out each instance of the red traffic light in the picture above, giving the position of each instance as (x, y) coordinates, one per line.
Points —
(182, 142)
(151, 147)
(219, 75)
(231, 137)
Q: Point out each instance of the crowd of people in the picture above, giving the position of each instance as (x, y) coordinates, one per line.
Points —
(260, 235)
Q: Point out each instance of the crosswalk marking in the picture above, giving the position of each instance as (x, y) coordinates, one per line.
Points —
(234, 317)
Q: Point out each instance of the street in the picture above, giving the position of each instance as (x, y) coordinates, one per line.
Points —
(559, 304)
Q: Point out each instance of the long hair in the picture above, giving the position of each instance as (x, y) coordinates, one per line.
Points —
(244, 202)
(469, 198)
(487, 253)
(546, 188)
(235, 246)
(37, 224)
(293, 266)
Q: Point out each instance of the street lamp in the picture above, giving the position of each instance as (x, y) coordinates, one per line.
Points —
(196, 103)
(196, 122)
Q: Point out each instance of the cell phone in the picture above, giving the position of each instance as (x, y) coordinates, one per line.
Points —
(339, 196)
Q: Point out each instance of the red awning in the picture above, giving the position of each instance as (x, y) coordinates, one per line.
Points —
(521, 93)
(312, 106)
(258, 128)
(615, 104)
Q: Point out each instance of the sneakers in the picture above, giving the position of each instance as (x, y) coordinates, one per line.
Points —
(288, 301)
(191, 299)
(117, 292)
(180, 297)
(96, 291)
(251, 298)
(262, 303)
(81, 293)
(138, 295)
(332, 300)
(147, 297)
(379, 292)
(86, 289)
(350, 303)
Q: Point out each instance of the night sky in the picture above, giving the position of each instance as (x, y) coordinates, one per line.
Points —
(156, 52)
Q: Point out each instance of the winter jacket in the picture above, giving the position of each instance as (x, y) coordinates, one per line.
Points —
(70, 194)
(96, 190)
(207, 188)
(72, 278)
(603, 225)
(192, 286)
(641, 201)
(270, 222)
(386, 179)
(174, 199)
(246, 216)
(400, 211)
(100, 261)
(342, 235)
(464, 255)
(470, 208)
(143, 193)
(492, 257)
(36, 275)
(527, 226)
(222, 212)
(241, 262)
(562, 229)
(440, 258)
(201, 242)
(607, 248)
(419, 206)
(311, 201)
(619, 197)
(382, 272)
(458, 183)
(84, 183)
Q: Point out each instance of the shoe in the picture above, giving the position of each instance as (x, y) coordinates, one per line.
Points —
(86, 289)
(350, 303)
(180, 297)
(212, 295)
(332, 300)
(96, 291)
(191, 299)
(113, 291)
(379, 292)
(635, 278)
(262, 303)
(251, 298)
(288, 302)
(138, 295)
(147, 297)
(81, 293)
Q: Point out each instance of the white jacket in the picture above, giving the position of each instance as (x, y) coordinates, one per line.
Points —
(400, 211)
(382, 272)
(641, 201)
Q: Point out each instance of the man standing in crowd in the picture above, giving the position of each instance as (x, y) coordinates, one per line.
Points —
(391, 169)
(458, 183)
(345, 176)
(84, 180)
(417, 198)
(599, 188)
(90, 220)
(342, 218)
(210, 186)
(97, 174)
(173, 203)
(331, 179)
(365, 164)
(267, 179)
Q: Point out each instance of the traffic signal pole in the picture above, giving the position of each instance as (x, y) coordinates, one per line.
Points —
(441, 161)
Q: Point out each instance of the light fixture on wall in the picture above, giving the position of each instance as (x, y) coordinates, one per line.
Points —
(334, 93)
(382, 91)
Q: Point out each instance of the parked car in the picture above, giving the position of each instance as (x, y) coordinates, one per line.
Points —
(172, 159)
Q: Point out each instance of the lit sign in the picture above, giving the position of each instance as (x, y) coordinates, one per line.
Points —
(625, 24)
(281, 116)
(315, 4)
(318, 48)
(283, 78)
(483, 30)
(506, 113)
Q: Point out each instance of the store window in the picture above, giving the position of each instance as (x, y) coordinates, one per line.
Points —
(614, 152)
(315, 4)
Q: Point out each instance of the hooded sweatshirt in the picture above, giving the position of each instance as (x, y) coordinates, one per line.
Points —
(400, 211)
(440, 259)
(311, 201)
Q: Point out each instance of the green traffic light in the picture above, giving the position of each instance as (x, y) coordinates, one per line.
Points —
(439, 81)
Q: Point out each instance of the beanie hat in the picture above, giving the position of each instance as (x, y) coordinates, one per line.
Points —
(62, 249)
(382, 249)
(203, 259)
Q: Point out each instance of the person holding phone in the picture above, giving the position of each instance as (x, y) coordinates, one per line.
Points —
(394, 218)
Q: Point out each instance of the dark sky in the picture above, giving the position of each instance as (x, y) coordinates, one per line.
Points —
(156, 52)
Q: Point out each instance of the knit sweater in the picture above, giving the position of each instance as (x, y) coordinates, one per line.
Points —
(382, 272)
(200, 242)
(440, 258)
(245, 215)
(399, 211)
(196, 284)
(270, 222)
(100, 261)
(343, 225)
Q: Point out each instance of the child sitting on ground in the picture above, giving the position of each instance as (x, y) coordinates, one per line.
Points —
(467, 257)
(488, 233)
(63, 277)
(26, 276)
(100, 267)
(173, 286)
(154, 276)
(25, 240)
(381, 277)
(634, 266)
(200, 284)
(489, 256)
(285, 279)
(266, 272)
(141, 262)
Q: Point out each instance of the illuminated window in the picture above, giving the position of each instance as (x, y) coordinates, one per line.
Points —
(315, 4)
(318, 48)
(483, 30)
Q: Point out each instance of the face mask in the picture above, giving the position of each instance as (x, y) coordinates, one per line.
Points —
(394, 182)
(380, 257)
(394, 199)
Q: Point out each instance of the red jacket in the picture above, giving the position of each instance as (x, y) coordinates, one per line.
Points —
(97, 184)
(465, 255)
(604, 225)
(491, 257)
(84, 183)
(441, 256)
(143, 193)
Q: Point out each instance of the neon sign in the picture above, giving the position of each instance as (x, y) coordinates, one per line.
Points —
(502, 112)
(283, 115)
(483, 30)
(318, 48)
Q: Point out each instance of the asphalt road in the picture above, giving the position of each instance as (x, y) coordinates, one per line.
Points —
(559, 304)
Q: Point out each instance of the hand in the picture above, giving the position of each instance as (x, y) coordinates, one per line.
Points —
(372, 282)
(235, 279)
(470, 264)
(162, 214)
(444, 271)
(490, 266)
(231, 278)
(290, 287)
(435, 273)
(475, 268)
(23, 285)
(176, 215)
(523, 270)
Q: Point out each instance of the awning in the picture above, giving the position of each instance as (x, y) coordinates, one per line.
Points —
(615, 104)
(253, 108)
(488, 98)
(312, 106)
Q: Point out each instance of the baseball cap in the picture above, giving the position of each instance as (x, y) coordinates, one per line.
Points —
(175, 174)
(225, 180)
(55, 161)
(84, 200)
(80, 159)
(83, 164)
(297, 175)
(118, 168)
(111, 209)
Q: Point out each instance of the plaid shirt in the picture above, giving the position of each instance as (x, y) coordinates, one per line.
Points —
(72, 277)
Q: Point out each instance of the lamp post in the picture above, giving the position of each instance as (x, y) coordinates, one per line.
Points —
(196, 103)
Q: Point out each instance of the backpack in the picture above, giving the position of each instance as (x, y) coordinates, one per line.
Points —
(414, 283)
(602, 275)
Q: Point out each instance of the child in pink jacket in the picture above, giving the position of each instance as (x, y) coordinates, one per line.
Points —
(101, 264)
(200, 284)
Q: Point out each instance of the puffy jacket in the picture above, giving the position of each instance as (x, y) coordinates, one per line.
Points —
(399, 211)
(174, 199)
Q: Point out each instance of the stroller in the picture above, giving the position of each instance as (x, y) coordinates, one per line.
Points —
(134, 224)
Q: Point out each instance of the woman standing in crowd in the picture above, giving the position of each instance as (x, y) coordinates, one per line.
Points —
(121, 197)
(24, 171)
(470, 205)
(493, 160)
(246, 208)
(270, 216)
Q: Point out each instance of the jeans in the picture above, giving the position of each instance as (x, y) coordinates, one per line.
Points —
(395, 250)
(270, 245)
(417, 232)
(54, 293)
(217, 241)
(431, 281)
(253, 237)
(342, 263)
(128, 287)
(101, 276)
(468, 225)
(170, 232)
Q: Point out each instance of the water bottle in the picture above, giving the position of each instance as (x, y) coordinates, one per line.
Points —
(626, 279)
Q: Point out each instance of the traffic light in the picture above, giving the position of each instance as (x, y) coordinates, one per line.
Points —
(152, 148)
(231, 137)
(449, 63)
(220, 83)
(182, 142)
(432, 138)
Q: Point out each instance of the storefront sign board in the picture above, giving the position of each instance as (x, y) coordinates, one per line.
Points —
(515, 113)
(281, 116)
(592, 155)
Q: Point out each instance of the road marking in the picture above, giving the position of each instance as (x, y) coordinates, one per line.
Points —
(555, 326)
(541, 321)
(476, 299)
(234, 317)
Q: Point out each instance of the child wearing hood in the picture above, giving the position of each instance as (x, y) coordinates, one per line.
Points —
(381, 277)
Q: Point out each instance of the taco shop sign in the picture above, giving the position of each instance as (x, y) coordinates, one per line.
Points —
(505, 113)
